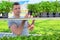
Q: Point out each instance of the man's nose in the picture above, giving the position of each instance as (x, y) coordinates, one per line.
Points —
(18, 9)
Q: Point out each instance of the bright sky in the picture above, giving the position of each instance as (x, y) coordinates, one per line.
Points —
(36, 1)
(29, 1)
(32, 1)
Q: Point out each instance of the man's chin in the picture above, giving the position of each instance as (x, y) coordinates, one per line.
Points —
(18, 14)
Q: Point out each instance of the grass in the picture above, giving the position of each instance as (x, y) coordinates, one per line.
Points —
(43, 37)
(50, 30)
(4, 26)
(46, 26)
(41, 26)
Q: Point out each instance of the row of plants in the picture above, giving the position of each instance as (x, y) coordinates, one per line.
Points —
(48, 26)
(40, 26)
(44, 6)
(34, 9)
(5, 7)
(50, 30)
(55, 36)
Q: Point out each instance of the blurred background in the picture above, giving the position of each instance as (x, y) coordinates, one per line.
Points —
(41, 26)
(48, 28)
(37, 8)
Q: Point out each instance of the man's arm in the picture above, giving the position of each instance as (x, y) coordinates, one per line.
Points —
(17, 30)
(31, 26)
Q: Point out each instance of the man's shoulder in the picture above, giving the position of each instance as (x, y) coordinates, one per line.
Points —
(21, 16)
(11, 17)
(14, 17)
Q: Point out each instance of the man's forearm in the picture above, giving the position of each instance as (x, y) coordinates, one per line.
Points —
(23, 22)
(21, 26)
(32, 22)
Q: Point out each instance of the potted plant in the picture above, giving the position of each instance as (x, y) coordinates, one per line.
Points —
(5, 8)
(0, 10)
(58, 9)
(32, 9)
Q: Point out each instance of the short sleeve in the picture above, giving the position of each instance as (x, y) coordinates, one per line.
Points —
(10, 22)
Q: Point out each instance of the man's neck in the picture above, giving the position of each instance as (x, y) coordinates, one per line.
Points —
(17, 16)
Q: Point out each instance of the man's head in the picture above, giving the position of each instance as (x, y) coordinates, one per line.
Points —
(16, 8)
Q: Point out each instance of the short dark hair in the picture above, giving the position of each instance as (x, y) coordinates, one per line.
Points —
(16, 3)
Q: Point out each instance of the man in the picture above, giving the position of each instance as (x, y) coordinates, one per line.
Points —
(19, 27)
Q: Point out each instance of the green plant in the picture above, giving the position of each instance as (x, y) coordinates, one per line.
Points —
(5, 7)
(44, 6)
(55, 36)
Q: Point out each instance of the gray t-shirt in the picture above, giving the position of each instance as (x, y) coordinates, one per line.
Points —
(18, 22)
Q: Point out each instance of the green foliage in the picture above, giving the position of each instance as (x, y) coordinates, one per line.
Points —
(5, 7)
(41, 26)
(49, 30)
(44, 6)
(46, 27)
(55, 36)
(4, 26)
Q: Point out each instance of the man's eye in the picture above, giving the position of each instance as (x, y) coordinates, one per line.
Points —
(15, 8)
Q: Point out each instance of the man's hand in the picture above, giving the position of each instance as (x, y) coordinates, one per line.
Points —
(31, 27)
(28, 16)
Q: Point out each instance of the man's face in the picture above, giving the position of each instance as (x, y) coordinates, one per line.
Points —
(16, 9)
